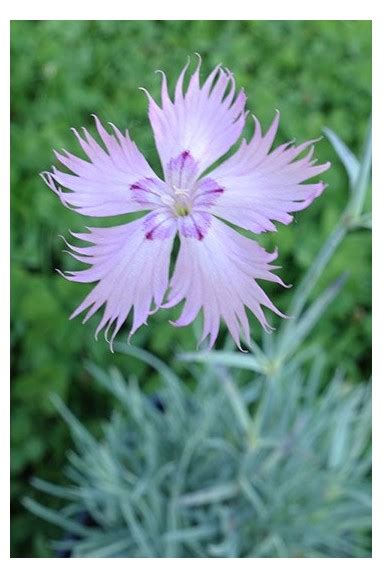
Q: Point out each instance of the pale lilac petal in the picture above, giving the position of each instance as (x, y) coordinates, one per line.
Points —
(205, 120)
(195, 225)
(149, 192)
(217, 275)
(207, 193)
(262, 186)
(101, 186)
(182, 171)
(131, 271)
(160, 224)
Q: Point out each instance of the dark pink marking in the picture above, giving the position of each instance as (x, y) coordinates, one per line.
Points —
(220, 190)
(182, 170)
(159, 224)
(147, 191)
(195, 225)
(207, 192)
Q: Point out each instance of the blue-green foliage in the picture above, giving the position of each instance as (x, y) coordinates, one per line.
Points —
(316, 73)
(279, 468)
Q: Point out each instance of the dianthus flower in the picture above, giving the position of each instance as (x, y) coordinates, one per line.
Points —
(216, 267)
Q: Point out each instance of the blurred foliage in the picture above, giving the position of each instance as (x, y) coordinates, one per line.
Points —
(317, 73)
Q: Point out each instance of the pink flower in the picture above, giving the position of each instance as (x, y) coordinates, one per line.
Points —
(216, 268)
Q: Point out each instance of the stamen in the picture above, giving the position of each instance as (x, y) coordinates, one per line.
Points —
(167, 200)
(181, 192)
(182, 203)
(182, 211)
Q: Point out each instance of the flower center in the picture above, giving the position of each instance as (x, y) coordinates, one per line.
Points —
(182, 203)
(182, 200)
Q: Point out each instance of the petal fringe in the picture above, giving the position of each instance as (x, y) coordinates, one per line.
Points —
(100, 187)
(205, 120)
(262, 186)
(131, 272)
(217, 275)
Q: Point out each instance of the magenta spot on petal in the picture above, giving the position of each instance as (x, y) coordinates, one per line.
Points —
(207, 193)
(147, 191)
(182, 171)
(184, 157)
(159, 225)
(195, 225)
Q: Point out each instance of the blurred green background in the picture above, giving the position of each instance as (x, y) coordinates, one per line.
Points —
(317, 73)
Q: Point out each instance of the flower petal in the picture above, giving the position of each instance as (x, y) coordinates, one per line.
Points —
(204, 120)
(206, 193)
(149, 193)
(261, 187)
(217, 275)
(131, 271)
(160, 224)
(194, 225)
(182, 171)
(101, 187)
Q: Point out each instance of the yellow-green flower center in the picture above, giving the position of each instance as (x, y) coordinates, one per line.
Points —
(182, 211)
(182, 205)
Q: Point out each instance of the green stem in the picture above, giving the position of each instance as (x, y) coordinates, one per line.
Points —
(347, 221)
(355, 206)
(313, 274)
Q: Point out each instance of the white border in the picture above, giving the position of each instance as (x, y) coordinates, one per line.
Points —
(195, 10)
(5, 296)
(325, 10)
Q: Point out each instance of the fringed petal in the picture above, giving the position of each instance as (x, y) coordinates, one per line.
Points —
(262, 186)
(217, 275)
(205, 120)
(101, 186)
(131, 270)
